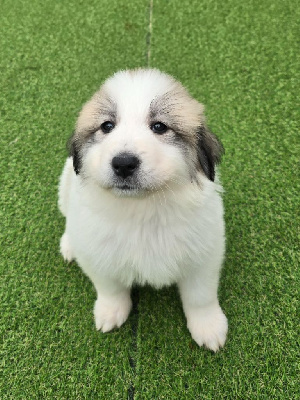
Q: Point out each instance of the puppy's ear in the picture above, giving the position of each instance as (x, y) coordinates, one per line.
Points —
(209, 151)
(73, 149)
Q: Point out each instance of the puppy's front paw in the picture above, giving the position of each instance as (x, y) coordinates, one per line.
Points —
(110, 313)
(65, 248)
(208, 326)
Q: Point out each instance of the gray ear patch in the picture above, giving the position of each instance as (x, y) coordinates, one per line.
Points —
(73, 149)
(209, 151)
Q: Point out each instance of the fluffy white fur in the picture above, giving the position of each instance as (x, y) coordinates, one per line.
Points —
(167, 229)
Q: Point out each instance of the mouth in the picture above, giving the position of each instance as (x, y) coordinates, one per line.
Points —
(125, 187)
(126, 190)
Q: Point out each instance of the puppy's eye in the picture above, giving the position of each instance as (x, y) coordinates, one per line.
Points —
(107, 126)
(159, 127)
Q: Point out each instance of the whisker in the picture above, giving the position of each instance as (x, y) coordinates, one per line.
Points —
(168, 187)
(163, 192)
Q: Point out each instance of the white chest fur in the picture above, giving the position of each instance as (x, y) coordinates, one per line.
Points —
(154, 240)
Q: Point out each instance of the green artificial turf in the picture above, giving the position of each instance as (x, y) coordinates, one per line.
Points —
(241, 59)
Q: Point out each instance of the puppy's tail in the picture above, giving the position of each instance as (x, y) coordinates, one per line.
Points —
(65, 186)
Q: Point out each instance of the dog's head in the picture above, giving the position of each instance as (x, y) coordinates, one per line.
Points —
(142, 131)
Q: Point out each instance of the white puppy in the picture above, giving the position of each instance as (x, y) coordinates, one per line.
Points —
(141, 202)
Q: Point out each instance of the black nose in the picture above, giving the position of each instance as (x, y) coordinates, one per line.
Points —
(125, 164)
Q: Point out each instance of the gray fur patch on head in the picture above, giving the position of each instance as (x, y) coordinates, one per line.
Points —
(179, 111)
(99, 109)
(184, 116)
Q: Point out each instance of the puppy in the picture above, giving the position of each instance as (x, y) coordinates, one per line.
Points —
(141, 200)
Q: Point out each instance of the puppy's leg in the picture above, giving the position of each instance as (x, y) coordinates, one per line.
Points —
(205, 319)
(65, 248)
(113, 304)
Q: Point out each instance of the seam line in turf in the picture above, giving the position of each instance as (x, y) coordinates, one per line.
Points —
(135, 295)
(149, 34)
